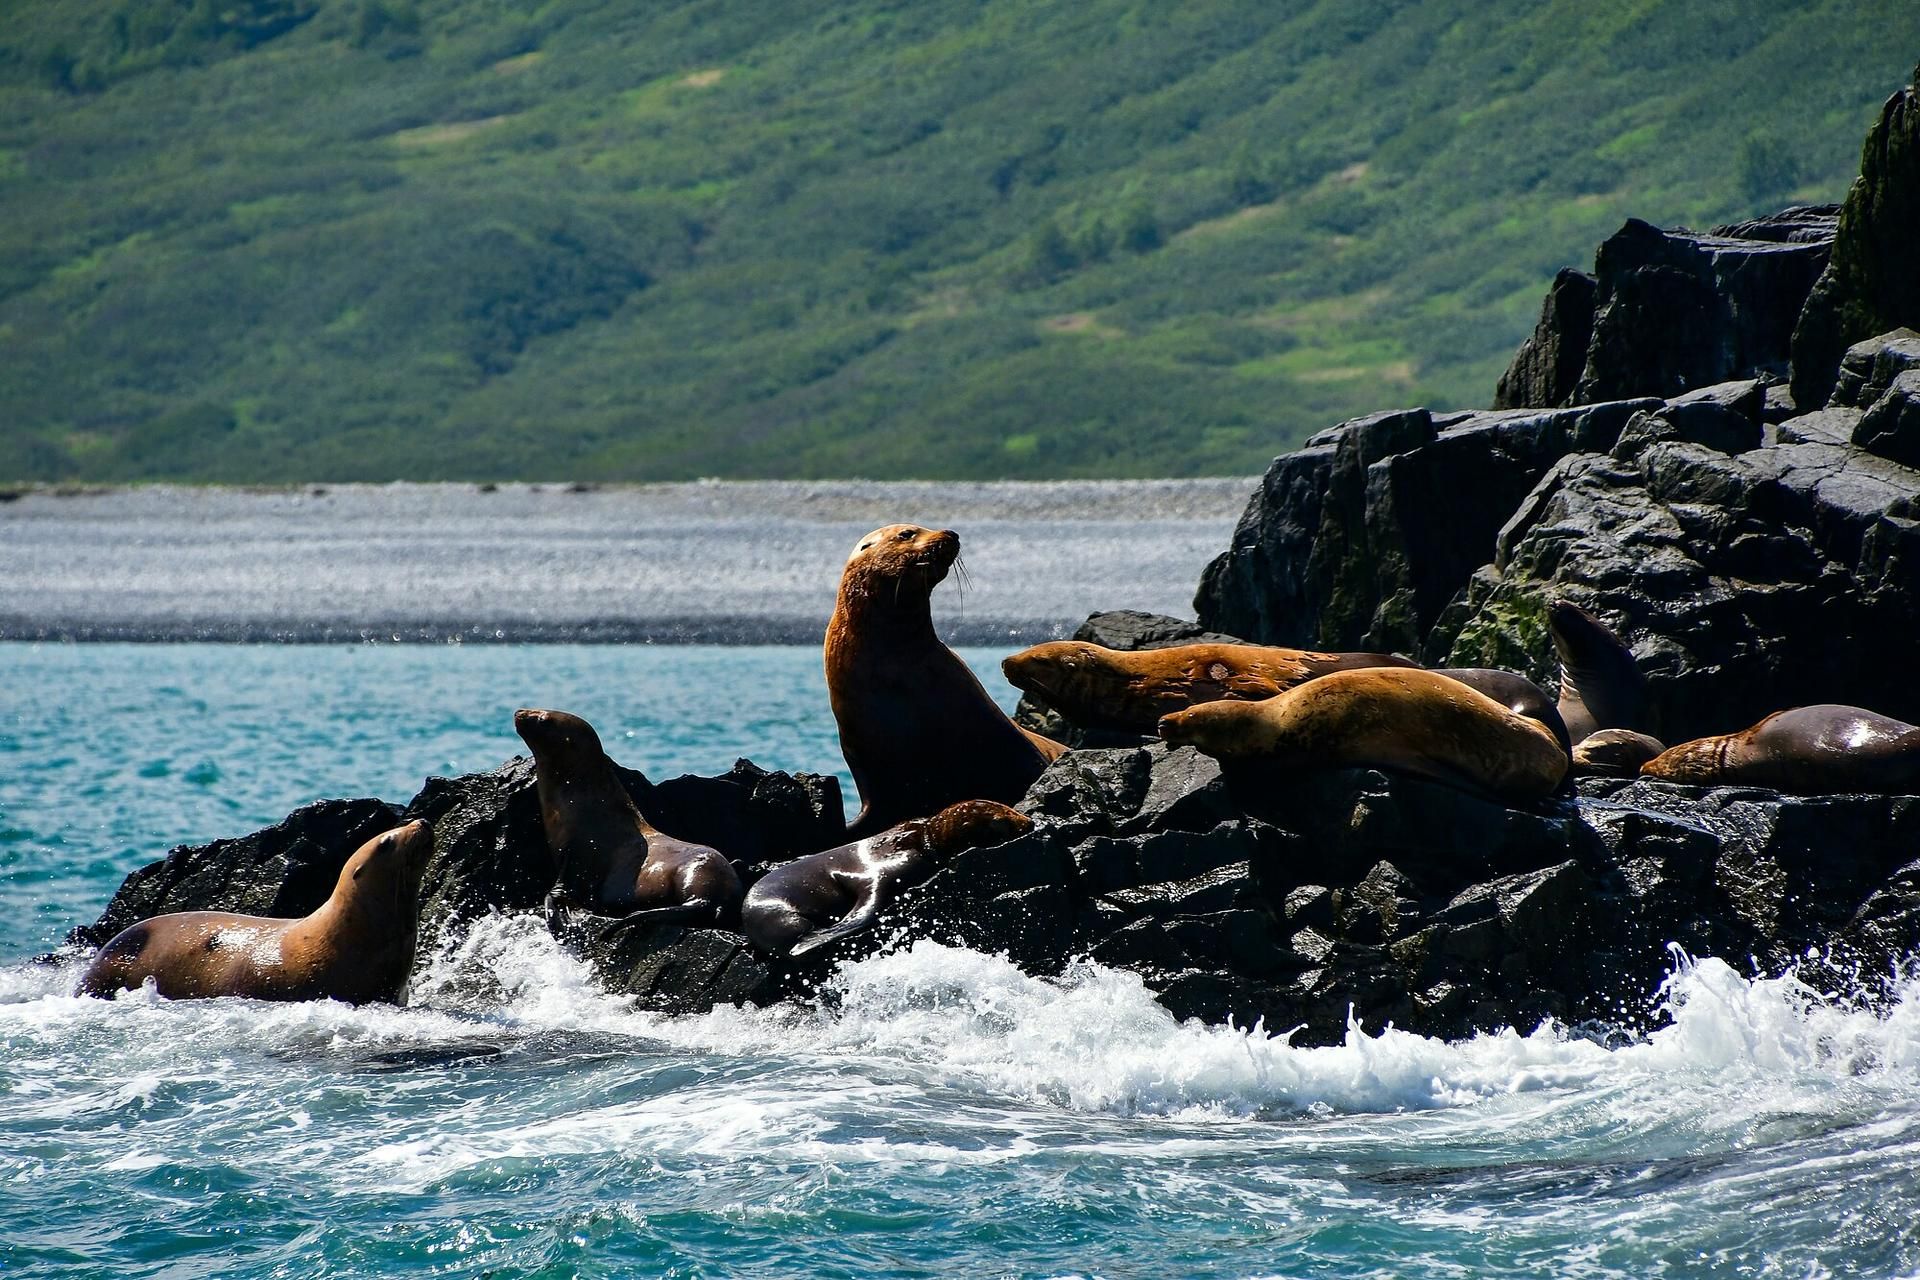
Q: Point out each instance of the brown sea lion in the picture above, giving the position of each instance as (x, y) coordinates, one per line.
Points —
(918, 730)
(802, 906)
(1827, 749)
(1601, 686)
(1615, 753)
(1105, 688)
(611, 859)
(358, 947)
(1397, 717)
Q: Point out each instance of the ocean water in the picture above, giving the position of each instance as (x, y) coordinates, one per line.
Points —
(940, 1114)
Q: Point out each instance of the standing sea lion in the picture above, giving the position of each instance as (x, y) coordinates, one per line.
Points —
(612, 860)
(812, 902)
(1601, 686)
(1105, 688)
(358, 947)
(1820, 750)
(918, 730)
(1402, 718)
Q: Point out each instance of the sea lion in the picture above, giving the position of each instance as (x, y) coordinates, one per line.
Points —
(918, 730)
(1105, 688)
(802, 906)
(1398, 717)
(1601, 687)
(1827, 749)
(357, 947)
(1616, 753)
(611, 859)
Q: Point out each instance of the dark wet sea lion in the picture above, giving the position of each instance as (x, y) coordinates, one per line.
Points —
(611, 859)
(1827, 749)
(1404, 718)
(1601, 686)
(810, 903)
(357, 947)
(1105, 688)
(1616, 753)
(918, 730)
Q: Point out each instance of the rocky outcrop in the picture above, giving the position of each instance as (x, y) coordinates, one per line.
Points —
(1362, 538)
(1246, 894)
(1872, 283)
(1670, 311)
(1748, 576)
(1546, 371)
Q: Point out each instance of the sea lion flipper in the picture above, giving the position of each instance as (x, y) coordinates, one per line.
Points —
(860, 918)
(690, 910)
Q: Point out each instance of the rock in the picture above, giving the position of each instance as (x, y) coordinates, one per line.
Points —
(671, 969)
(1872, 283)
(1677, 310)
(286, 870)
(1871, 365)
(1131, 629)
(1547, 368)
(1891, 428)
(1746, 582)
(1344, 545)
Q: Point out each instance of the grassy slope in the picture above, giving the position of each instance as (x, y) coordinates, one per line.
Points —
(604, 240)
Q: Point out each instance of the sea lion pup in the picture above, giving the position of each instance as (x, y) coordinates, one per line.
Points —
(802, 906)
(918, 730)
(1615, 753)
(1103, 688)
(358, 947)
(1820, 750)
(1601, 687)
(611, 859)
(1398, 717)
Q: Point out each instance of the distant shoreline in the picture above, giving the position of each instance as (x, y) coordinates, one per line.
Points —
(706, 562)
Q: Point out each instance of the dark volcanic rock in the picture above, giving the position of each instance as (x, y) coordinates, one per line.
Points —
(1362, 538)
(1679, 310)
(668, 968)
(1546, 369)
(1670, 311)
(288, 869)
(1870, 367)
(1872, 283)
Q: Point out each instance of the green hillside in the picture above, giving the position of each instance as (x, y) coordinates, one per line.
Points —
(289, 240)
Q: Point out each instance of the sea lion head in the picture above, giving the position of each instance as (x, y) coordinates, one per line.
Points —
(390, 865)
(550, 733)
(1615, 752)
(1223, 730)
(1071, 671)
(974, 824)
(900, 558)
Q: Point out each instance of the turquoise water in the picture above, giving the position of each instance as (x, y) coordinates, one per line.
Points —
(943, 1114)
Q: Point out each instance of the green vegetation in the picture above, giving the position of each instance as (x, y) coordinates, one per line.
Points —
(285, 240)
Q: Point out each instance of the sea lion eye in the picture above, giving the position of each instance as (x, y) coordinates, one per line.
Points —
(905, 535)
